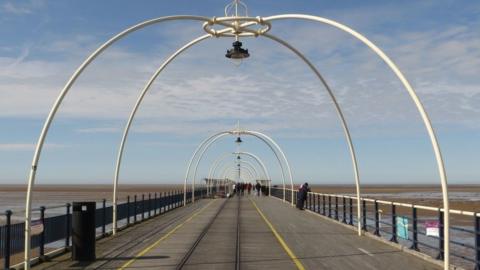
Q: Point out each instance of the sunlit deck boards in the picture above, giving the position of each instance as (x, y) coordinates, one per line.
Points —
(315, 243)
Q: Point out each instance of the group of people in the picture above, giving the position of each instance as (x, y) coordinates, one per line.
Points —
(246, 188)
(302, 195)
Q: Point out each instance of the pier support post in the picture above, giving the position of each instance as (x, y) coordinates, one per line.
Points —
(394, 224)
(350, 220)
(344, 219)
(104, 216)
(414, 230)
(477, 241)
(143, 207)
(324, 206)
(336, 207)
(128, 210)
(68, 227)
(42, 235)
(364, 216)
(135, 209)
(329, 206)
(377, 220)
(441, 239)
(6, 244)
(149, 204)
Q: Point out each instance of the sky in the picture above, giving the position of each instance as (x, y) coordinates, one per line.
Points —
(435, 43)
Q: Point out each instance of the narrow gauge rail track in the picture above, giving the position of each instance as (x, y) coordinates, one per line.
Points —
(114, 253)
(205, 231)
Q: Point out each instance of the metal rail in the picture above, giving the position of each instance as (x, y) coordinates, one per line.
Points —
(200, 237)
(206, 230)
(141, 239)
(237, 246)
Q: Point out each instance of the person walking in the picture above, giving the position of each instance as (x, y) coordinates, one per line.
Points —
(258, 187)
(249, 188)
(302, 195)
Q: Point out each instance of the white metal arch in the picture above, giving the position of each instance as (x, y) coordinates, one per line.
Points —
(338, 110)
(201, 145)
(215, 164)
(416, 100)
(258, 160)
(58, 102)
(380, 53)
(222, 158)
(244, 165)
(233, 169)
(275, 148)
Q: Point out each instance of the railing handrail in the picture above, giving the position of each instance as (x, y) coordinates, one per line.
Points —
(423, 207)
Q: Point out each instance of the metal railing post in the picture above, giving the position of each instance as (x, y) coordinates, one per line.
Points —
(318, 203)
(68, 227)
(162, 202)
(169, 201)
(310, 201)
(344, 219)
(329, 206)
(42, 235)
(128, 210)
(149, 205)
(377, 220)
(155, 204)
(135, 209)
(336, 207)
(6, 244)
(394, 224)
(104, 216)
(143, 207)
(477, 241)
(350, 220)
(364, 215)
(324, 205)
(414, 230)
(441, 240)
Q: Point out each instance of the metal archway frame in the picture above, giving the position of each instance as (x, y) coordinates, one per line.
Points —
(266, 139)
(416, 100)
(337, 107)
(222, 158)
(251, 170)
(258, 160)
(358, 36)
(233, 169)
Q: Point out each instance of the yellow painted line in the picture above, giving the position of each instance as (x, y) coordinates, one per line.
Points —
(147, 249)
(280, 239)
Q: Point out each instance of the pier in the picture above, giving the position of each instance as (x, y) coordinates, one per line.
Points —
(243, 232)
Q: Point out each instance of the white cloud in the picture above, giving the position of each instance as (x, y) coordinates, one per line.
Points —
(20, 8)
(4, 147)
(273, 90)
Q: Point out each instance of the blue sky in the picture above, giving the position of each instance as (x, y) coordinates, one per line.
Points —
(435, 43)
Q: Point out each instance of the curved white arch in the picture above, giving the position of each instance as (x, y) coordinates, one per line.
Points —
(337, 107)
(380, 53)
(222, 158)
(416, 101)
(129, 123)
(259, 161)
(343, 121)
(200, 146)
(233, 169)
(275, 148)
(246, 165)
(266, 138)
(58, 102)
(203, 149)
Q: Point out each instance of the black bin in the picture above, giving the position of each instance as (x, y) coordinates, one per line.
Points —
(83, 231)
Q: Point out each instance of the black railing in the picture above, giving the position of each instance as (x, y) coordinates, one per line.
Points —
(382, 222)
(56, 233)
